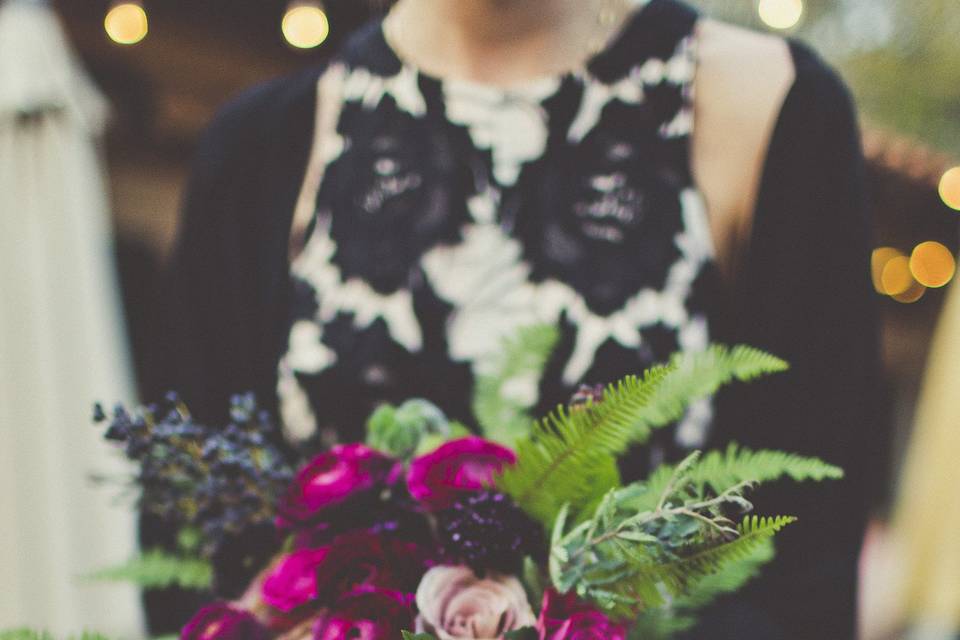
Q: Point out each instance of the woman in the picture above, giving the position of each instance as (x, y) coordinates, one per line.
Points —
(643, 178)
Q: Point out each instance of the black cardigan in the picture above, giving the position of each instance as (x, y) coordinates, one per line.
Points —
(803, 293)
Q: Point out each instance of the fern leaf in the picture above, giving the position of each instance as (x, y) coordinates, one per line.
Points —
(678, 577)
(501, 413)
(567, 448)
(721, 470)
(157, 569)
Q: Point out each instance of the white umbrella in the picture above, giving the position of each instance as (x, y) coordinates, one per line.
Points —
(62, 343)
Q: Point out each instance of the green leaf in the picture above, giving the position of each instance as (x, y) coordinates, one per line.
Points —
(157, 569)
(527, 633)
(572, 453)
(501, 398)
(408, 635)
(399, 431)
(680, 576)
(719, 471)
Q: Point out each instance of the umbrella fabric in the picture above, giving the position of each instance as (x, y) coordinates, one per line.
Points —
(62, 342)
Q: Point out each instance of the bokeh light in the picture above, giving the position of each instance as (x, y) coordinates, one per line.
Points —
(878, 260)
(896, 277)
(913, 293)
(950, 188)
(781, 14)
(126, 23)
(305, 25)
(932, 264)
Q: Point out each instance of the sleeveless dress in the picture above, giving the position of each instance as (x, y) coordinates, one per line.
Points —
(438, 217)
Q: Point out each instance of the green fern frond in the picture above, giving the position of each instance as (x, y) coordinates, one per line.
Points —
(719, 471)
(565, 449)
(157, 569)
(648, 583)
(729, 579)
(503, 416)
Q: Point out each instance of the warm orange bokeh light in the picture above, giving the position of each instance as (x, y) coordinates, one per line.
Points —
(305, 25)
(126, 23)
(932, 264)
(913, 293)
(878, 260)
(780, 14)
(896, 277)
(950, 188)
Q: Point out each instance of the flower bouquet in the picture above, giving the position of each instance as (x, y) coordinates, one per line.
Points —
(429, 530)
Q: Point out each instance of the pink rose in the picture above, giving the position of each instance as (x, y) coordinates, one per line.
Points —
(457, 467)
(365, 559)
(367, 613)
(565, 617)
(331, 479)
(292, 582)
(221, 621)
(455, 604)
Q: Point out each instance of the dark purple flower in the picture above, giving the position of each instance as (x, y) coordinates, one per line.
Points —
(367, 613)
(565, 617)
(221, 621)
(292, 582)
(331, 479)
(364, 559)
(458, 467)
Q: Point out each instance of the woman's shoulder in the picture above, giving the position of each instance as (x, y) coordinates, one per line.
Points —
(746, 75)
(757, 96)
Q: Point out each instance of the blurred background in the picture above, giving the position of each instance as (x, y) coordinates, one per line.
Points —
(165, 66)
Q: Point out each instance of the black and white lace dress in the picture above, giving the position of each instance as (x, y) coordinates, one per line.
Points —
(438, 217)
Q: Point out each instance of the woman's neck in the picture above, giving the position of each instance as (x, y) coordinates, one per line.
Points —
(500, 42)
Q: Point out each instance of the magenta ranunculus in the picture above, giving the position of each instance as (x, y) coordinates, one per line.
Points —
(222, 621)
(292, 582)
(565, 617)
(367, 613)
(331, 479)
(461, 466)
(368, 560)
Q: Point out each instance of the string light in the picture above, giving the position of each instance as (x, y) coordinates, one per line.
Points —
(913, 293)
(126, 23)
(896, 277)
(780, 14)
(932, 264)
(305, 25)
(878, 260)
(950, 188)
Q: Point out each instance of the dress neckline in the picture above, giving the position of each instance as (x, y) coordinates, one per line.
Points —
(596, 64)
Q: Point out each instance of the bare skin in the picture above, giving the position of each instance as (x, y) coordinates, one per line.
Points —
(742, 81)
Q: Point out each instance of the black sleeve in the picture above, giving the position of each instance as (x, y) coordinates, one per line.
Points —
(804, 294)
(227, 276)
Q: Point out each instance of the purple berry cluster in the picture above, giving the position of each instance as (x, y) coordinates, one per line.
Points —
(487, 531)
(220, 481)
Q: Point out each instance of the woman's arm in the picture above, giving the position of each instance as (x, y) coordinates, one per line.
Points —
(228, 275)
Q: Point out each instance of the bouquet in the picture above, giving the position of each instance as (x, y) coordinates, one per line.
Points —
(520, 528)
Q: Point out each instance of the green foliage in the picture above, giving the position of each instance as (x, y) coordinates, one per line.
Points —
(157, 569)
(681, 574)
(407, 635)
(527, 633)
(502, 415)
(720, 470)
(573, 451)
(411, 428)
(686, 552)
(668, 542)
(32, 634)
